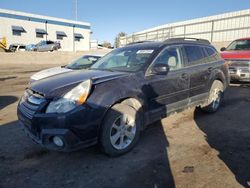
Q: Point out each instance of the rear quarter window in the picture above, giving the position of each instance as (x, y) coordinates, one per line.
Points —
(211, 54)
(195, 54)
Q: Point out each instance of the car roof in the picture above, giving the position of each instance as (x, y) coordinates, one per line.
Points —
(171, 41)
(247, 38)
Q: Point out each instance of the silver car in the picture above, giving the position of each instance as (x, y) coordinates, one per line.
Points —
(45, 46)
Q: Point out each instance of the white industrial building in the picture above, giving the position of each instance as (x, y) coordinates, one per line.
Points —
(219, 29)
(24, 28)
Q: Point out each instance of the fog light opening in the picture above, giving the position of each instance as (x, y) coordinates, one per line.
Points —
(58, 141)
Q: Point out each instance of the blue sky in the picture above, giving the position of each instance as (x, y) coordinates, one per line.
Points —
(112, 16)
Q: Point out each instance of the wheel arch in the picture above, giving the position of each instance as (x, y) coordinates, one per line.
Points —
(132, 101)
(218, 75)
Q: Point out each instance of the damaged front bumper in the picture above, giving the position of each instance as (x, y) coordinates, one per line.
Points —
(73, 130)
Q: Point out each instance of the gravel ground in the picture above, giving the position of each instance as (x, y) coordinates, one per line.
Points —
(189, 149)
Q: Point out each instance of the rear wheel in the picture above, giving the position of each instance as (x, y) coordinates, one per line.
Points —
(120, 131)
(215, 97)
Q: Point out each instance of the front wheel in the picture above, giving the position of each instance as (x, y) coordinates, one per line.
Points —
(121, 130)
(215, 97)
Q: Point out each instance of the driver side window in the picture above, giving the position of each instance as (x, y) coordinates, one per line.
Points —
(170, 56)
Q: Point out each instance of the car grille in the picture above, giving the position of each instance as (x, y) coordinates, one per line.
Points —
(30, 103)
(240, 63)
(244, 70)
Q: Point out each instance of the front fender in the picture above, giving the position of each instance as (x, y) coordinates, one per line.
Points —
(107, 94)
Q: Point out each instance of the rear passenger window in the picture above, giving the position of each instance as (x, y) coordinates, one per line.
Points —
(195, 54)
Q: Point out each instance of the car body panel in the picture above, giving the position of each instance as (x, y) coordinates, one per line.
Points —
(242, 54)
(56, 85)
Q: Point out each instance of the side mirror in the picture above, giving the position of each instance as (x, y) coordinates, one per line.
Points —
(223, 49)
(160, 69)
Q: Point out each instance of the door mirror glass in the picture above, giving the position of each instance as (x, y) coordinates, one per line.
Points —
(160, 69)
(223, 49)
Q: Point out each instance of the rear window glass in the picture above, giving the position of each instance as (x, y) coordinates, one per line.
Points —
(194, 54)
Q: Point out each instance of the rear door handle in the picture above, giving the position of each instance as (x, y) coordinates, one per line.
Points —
(184, 76)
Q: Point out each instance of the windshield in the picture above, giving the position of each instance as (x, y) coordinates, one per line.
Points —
(83, 62)
(239, 45)
(124, 59)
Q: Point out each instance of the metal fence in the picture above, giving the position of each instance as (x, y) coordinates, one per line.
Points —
(219, 29)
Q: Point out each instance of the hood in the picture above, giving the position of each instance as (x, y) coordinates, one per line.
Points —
(58, 85)
(242, 54)
(49, 72)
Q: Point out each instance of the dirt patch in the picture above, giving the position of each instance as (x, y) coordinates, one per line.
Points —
(189, 149)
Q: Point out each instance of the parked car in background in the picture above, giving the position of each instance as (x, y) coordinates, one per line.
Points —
(237, 54)
(17, 47)
(45, 46)
(30, 47)
(122, 93)
(83, 62)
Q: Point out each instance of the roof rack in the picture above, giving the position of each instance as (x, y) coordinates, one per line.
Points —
(203, 41)
(138, 42)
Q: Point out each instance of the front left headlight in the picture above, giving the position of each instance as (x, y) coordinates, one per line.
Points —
(71, 100)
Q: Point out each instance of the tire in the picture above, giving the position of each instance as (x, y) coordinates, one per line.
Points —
(118, 138)
(215, 97)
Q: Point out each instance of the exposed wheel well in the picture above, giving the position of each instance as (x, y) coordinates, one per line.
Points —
(134, 103)
(220, 80)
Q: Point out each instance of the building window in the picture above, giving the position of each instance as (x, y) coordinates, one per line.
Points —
(17, 30)
(78, 37)
(40, 33)
(60, 35)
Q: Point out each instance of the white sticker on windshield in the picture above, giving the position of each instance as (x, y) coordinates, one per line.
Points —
(144, 51)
